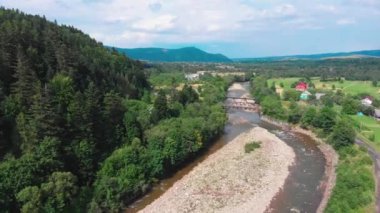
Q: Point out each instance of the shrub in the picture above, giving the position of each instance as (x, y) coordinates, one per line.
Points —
(343, 135)
(249, 147)
(271, 106)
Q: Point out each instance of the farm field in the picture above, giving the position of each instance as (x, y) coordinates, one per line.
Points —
(286, 81)
(350, 87)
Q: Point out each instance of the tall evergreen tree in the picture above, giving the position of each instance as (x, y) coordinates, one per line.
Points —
(26, 84)
(48, 122)
(160, 107)
(188, 95)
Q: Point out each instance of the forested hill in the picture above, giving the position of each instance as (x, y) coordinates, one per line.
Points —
(60, 106)
(81, 130)
(187, 54)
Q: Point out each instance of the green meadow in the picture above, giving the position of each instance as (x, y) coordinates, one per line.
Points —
(349, 87)
(286, 81)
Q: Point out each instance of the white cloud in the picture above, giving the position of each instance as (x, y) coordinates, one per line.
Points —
(345, 21)
(156, 24)
(328, 8)
(213, 28)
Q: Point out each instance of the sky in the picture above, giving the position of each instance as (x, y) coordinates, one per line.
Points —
(235, 28)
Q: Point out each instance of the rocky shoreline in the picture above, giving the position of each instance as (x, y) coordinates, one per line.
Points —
(231, 180)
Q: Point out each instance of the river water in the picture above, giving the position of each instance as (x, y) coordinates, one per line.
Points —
(301, 192)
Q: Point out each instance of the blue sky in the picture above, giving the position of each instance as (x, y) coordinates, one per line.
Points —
(236, 28)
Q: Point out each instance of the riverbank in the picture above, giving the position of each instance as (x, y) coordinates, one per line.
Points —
(231, 180)
(332, 158)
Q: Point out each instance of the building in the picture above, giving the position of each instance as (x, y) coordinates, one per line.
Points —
(376, 114)
(202, 72)
(305, 95)
(301, 86)
(318, 96)
(367, 101)
(192, 76)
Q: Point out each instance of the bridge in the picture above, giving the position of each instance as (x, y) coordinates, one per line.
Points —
(243, 103)
(240, 98)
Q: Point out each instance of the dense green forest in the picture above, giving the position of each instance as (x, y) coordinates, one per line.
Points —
(61, 107)
(82, 128)
(364, 69)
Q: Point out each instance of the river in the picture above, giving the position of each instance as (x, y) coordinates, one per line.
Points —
(301, 192)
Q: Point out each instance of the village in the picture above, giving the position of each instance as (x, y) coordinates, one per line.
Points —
(196, 76)
(365, 101)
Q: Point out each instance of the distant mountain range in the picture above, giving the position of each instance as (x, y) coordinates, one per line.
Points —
(355, 54)
(187, 54)
(192, 54)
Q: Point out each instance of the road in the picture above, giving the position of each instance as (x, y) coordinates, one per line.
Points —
(376, 159)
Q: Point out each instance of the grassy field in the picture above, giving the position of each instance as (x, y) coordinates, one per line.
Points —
(165, 79)
(286, 81)
(369, 128)
(349, 87)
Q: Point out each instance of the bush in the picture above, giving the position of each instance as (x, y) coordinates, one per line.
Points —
(291, 95)
(325, 119)
(343, 135)
(350, 106)
(272, 106)
(249, 147)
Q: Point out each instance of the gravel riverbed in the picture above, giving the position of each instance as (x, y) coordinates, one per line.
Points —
(231, 180)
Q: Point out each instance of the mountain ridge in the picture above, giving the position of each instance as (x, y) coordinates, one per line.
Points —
(318, 56)
(185, 54)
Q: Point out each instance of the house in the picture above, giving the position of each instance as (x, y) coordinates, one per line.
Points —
(301, 86)
(202, 72)
(367, 101)
(376, 114)
(318, 96)
(192, 76)
(305, 95)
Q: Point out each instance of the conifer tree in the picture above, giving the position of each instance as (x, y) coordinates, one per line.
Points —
(26, 84)
(160, 107)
